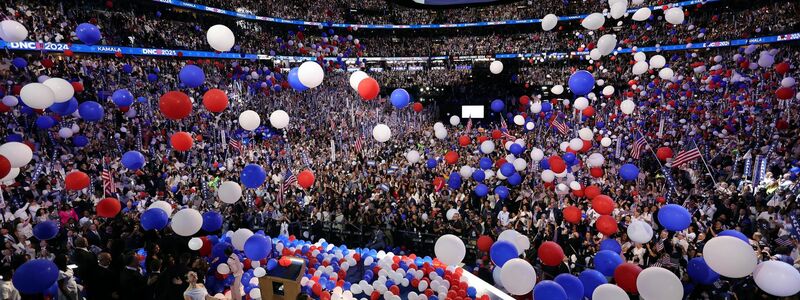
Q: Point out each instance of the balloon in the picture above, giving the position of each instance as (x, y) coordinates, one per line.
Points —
(431, 163)
(608, 291)
(455, 120)
(133, 160)
(487, 147)
(501, 192)
(257, 247)
(356, 78)
(37, 95)
(666, 74)
(496, 67)
(10, 101)
(76, 181)
(413, 156)
(294, 81)
(507, 169)
(450, 249)
(729, 257)
(593, 22)
(606, 225)
(310, 74)
(549, 22)
(485, 243)
(659, 284)
(220, 38)
(481, 190)
(381, 133)
(368, 88)
(503, 251)
(465, 171)
(777, 278)
(641, 14)
(12, 31)
(181, 141)
(454, 181)
(249, 120)
(606, 261)
(629, 172)
(45, 122)
(497, 105)
(548, 289)
(35, 276)
(736, 234)
(154, 219)
(571, 284)
(625, 276)
(627, 106)
(551, 254)
(174, 105)
(605, 142)
(223, 269)
(591, 279)
(65, 108)
(611, 245)
(240, 237)
(187, 222)
(5, 166)
(253, 176)
(581, 82)
(192, 76)
(640, 68)
(18, 154)
(229, 192)
(163, 205)
(640, 232)
(674, 217)
(212, 221)
(215, 100)
(663, 153)
(400, 98)
(485, 163)
(606, 45)
(305, 179)
(195, 244)
(700, 272)
(89, 34)
(62, 89)
(121, 98)
(674, 15)
(537, 154)
(279, 119)
(45, 230)
(603, 204)
(19, 63)
(518, 276)
(572, 214)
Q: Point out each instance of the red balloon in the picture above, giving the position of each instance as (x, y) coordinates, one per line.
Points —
(592, 191)
(417, 107)
(588, 111)
(485, 243)
(572, 214)
(782, 68)
(463, 140)
(175, 105)
(663, 153)
(76, 181)
(586, 146)
(451, 157)
(661, 200)
(496, 134)
(215, 100)
(607, 225)
(784, 93)
(181, 141)
(551, 254)
(108, 207)
(5, 166)
(205, 250)
(305, 179)
(603, 204)
(557, 164)
(596, 172)
(625, 276)
(77, 86)
(368, 88)
(524, 100)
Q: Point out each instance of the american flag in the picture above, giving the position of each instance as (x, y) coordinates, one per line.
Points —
(288, 181)
(504, 129)
(359, 144)
(562, 127)
(638, 146)
(235, 144)
(686, 156)
(109, 187)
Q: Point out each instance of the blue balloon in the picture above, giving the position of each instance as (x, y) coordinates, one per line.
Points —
(45, 230)
(133, 160)
(257, 247)
(253, 176)
(516, 149)
(88, 33)
(154, 219)
(472, 292)
(64, 108)
(219, 249)
(611, 245)
(152, 77)
(294, 81)
(736, 234)
(581, 82)
(127, 68)
(271, 264)
(479, 175)
(674, 217)
(507, 169)
(91, 111)
(544, 164)
(122, 98)
(19, 62)
(45, 122)
(14, 138)
(591, 279)
(485, 163)
(498, 105)
(503, 251)
(606, 261)
(571, 284)
(35, 276)
(192, 76)
(80, 141)
(550, 290)
(700, 272)
(400, 98)
(569, 158)
(454, 181)
(501, 191)
(515, 179)
(547, 106)
(481, 190)
(628, 172)
(212, 221)
(431, 163)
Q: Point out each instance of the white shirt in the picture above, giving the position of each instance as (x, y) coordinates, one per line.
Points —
(502, 216)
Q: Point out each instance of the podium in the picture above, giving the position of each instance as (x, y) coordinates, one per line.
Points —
(283, 283)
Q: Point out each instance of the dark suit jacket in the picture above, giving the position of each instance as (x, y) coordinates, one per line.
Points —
(103, 284)
(131, 285)
(87, 263)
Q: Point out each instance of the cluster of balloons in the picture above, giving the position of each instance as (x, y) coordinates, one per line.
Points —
(367, 87)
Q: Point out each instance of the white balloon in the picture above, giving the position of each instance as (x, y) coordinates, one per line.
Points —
(497, 276)
(438, 125)
(548, 176)
(518, 276)
(730, 256)
(255, 293)
(563, 146)
(557, 89)
(455, 120)
(12, 31)
(788, 82)
(674, 15)
(487, 147)
(606, 44)
(229, 192)
(381, 133)
(310, 74)
(37, 95)
(575, 186)
(608, 90)
(536, 107)
(221, 38)
(618, 9)
(549, 22)
(450, 249)
(61, 88)
(640, 232)
(655, 283)
(609, 291)
(595, 54)
(777, 278)
(18, 154)
(465, 171)
(10, 101)
(605, 141)
(627, 106)
(537, 154)
(581, 103)
(186, 222)
(195, 243)
(356, 78)
(65, 133)
(239, 237)
(496, 67)
(639, 68)
(520, 164)
(641, 14)
(593, 21)
(249, 120)
(657, 62)
(640, 56)
(261, 272)
(440, 134)
(10, 176)
(279, 119)
(576, 144)
(412, 156)
(162, 205)
(666, 74)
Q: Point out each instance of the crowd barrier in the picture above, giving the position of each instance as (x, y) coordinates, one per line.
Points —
(189, 5)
